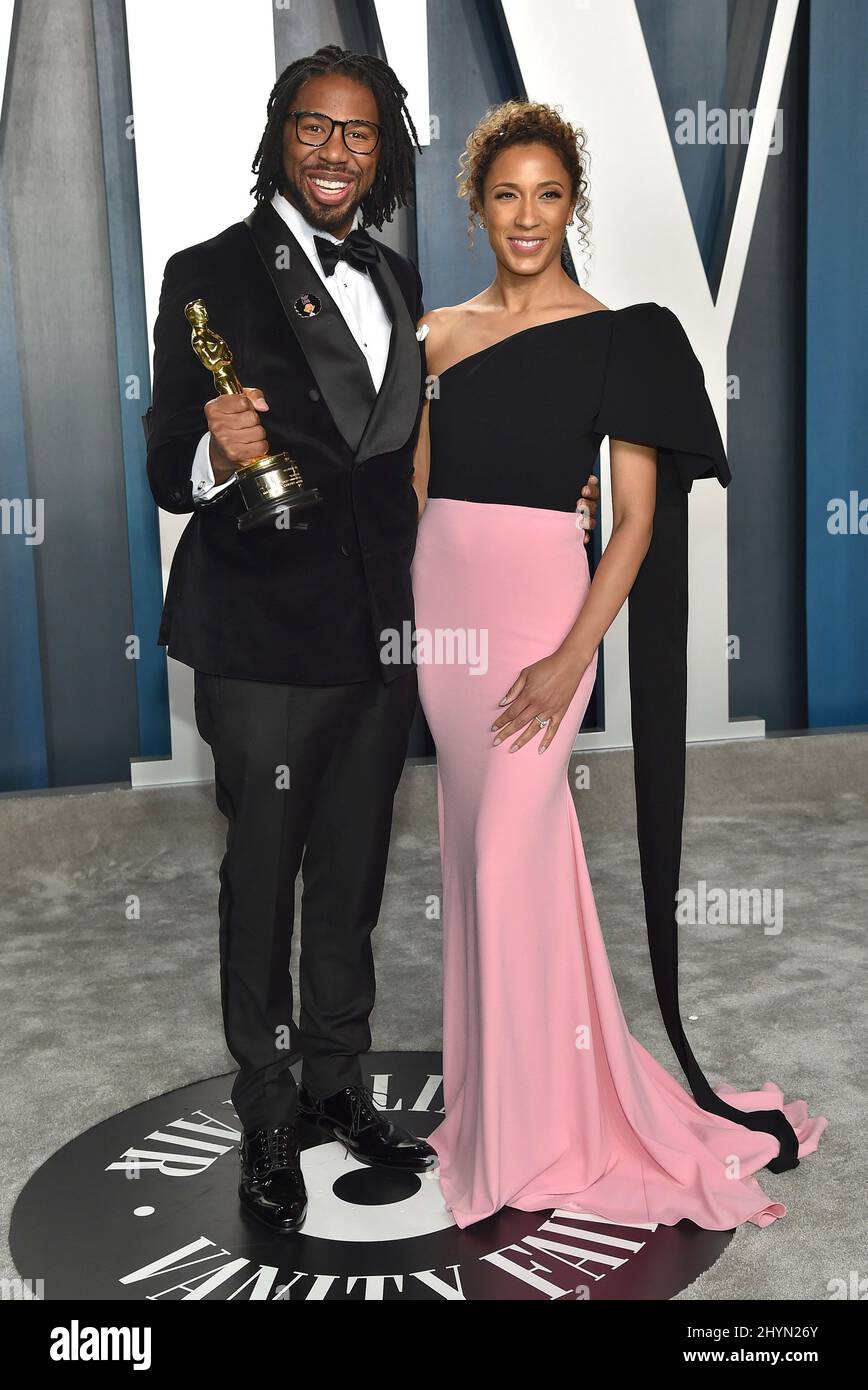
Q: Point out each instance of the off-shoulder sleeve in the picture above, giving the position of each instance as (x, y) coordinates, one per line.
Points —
(653, 392)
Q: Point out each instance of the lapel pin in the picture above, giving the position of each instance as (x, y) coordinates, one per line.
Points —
(307, 306)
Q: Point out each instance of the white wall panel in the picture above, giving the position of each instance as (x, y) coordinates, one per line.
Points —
(200, 75)
(591, 60)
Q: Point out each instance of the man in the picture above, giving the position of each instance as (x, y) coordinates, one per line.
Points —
(307, 719)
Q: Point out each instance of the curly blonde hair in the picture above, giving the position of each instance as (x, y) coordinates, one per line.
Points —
(525, 123)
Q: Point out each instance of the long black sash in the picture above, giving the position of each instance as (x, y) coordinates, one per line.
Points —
(658, 693)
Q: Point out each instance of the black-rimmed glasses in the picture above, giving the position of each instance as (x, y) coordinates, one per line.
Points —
(315, 128)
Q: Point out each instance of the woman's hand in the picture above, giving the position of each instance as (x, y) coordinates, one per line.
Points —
(586, 508)
(546, 689)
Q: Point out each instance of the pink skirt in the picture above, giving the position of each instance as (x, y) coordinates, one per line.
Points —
(549, 1100)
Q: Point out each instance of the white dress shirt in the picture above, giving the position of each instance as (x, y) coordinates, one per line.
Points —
(353, 292)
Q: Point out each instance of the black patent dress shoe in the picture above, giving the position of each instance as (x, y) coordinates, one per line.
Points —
(272, 1186)
(353, 1118)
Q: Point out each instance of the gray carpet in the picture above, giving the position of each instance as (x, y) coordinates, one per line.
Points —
(102, 1012)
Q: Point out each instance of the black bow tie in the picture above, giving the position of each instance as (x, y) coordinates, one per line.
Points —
(358, 249)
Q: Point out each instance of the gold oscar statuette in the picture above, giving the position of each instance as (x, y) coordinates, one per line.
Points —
(271, 486)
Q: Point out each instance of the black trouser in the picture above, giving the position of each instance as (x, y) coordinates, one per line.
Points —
(306, 777)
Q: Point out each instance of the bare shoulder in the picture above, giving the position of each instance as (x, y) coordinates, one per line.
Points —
(438, 321)
(440, 328)
(590, 305)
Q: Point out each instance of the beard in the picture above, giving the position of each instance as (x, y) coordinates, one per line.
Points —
(322, 219)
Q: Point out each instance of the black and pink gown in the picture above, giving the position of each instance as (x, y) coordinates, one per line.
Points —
(549, 1100)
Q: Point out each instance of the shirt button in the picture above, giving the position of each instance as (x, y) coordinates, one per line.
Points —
(345, 550)
(313, 395)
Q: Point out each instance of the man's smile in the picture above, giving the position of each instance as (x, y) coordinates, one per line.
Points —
(329, 188)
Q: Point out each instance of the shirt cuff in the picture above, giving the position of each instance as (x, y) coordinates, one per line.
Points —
(202, 476)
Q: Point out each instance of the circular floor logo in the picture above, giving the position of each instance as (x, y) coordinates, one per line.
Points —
(145, 1206)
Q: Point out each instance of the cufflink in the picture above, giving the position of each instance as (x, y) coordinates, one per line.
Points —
(422, 333)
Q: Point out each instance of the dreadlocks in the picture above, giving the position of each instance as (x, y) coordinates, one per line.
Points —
(394, 178)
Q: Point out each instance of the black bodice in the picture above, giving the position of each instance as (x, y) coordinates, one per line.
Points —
(521, 421)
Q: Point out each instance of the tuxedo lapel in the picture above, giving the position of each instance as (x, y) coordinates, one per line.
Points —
(333, 355)
(394, 414)
(372, 423)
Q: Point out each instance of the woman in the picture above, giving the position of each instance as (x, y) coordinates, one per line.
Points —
(549, 1100)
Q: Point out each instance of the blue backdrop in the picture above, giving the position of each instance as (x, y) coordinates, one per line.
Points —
(73, 708)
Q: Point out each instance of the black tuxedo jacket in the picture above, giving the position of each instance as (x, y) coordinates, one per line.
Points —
(291, 605)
